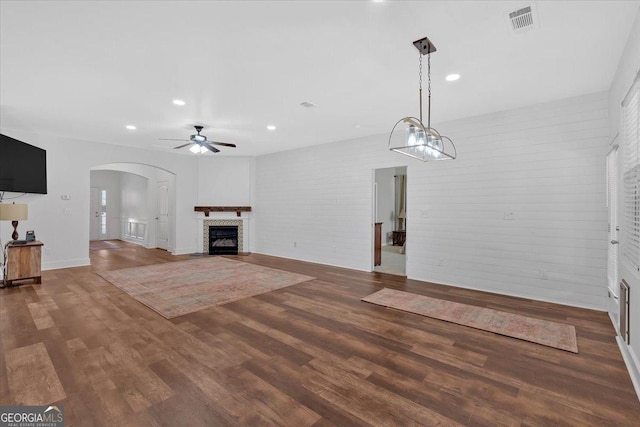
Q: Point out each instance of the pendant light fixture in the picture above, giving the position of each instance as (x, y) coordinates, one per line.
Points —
(410, 136)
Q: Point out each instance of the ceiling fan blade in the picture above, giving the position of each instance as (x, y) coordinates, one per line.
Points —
(183, 145)
(171, 139)
(210, 148)
(225, 144)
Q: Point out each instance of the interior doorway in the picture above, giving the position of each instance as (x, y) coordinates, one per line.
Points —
(613, 230)
(140, 205)
(390, 220)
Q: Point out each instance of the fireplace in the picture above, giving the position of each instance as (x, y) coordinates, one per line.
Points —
(206, 223)
(223, 240)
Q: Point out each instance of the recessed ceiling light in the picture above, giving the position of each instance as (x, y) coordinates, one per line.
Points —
(452, 77)
(357, 126)
(131, 127)
(179, 102)
(271, 127)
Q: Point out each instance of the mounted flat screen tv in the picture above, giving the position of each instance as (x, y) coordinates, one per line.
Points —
(23, 167)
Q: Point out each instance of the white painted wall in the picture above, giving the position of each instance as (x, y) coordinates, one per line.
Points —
(226, 181)
(628, 68)
(544, 163)
(110, 181)
(385, 209)
(135, 194)
(135, 197)
(66, 237)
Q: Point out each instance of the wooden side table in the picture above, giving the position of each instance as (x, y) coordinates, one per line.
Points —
(399, 237)
(24, 262)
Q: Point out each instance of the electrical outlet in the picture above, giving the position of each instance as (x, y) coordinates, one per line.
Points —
(65, 197)
(66, 211)
(508, 215)
(424, 214)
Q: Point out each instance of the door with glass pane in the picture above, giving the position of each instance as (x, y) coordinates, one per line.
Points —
(98, 214)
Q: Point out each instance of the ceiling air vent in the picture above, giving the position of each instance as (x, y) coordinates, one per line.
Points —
(522, 19)
(307, 104)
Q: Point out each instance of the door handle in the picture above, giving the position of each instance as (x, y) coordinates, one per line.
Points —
(614, 242)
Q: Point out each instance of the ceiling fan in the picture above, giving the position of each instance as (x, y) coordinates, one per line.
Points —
(200, 143)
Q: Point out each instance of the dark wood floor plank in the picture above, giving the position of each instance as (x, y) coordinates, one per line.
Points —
(376, 405)
(311, 354)
(189, 406)
(291, 382)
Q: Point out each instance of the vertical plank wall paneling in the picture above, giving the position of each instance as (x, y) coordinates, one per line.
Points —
(521, 212)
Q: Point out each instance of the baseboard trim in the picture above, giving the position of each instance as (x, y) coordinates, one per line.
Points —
(633, 366)
(56, 265)
(184, 251)
(513, 294)
(615, 323)
(366, 270)
(135, 241)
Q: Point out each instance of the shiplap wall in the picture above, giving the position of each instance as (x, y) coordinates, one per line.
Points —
(544, 163)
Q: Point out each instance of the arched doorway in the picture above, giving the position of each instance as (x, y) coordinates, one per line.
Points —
(132, 202)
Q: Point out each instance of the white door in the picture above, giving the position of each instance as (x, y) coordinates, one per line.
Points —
(613, 228)
(162, 218)
(94, 214)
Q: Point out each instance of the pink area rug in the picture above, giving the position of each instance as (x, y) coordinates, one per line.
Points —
(551, 334)
(173, 289)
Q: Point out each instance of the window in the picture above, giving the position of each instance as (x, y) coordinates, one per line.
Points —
(631, 169)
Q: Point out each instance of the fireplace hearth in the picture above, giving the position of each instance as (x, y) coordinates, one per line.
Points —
(223, 240)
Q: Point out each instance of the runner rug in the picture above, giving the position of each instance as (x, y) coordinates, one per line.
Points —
(173, 289)
(551, 334)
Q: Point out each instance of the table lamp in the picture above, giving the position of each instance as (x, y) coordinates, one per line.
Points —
(401, 218)
(14, 213)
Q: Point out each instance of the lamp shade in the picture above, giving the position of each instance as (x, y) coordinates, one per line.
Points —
(14, 212)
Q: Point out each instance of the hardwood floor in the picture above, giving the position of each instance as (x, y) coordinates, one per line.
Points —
(311, 354)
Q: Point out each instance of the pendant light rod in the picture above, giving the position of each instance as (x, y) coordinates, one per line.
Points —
(425, 47)
(421, 103)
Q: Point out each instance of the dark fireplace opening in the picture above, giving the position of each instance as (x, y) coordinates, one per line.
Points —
(223, 240)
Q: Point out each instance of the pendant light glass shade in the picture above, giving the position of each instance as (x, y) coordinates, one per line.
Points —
(410, 136)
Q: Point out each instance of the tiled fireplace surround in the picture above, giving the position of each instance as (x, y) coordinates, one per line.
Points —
(206, 223)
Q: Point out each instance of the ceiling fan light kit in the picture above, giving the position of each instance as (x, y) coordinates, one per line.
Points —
(199, 143)
(409, 135)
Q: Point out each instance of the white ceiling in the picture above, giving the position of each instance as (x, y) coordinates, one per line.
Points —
(86, 69)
